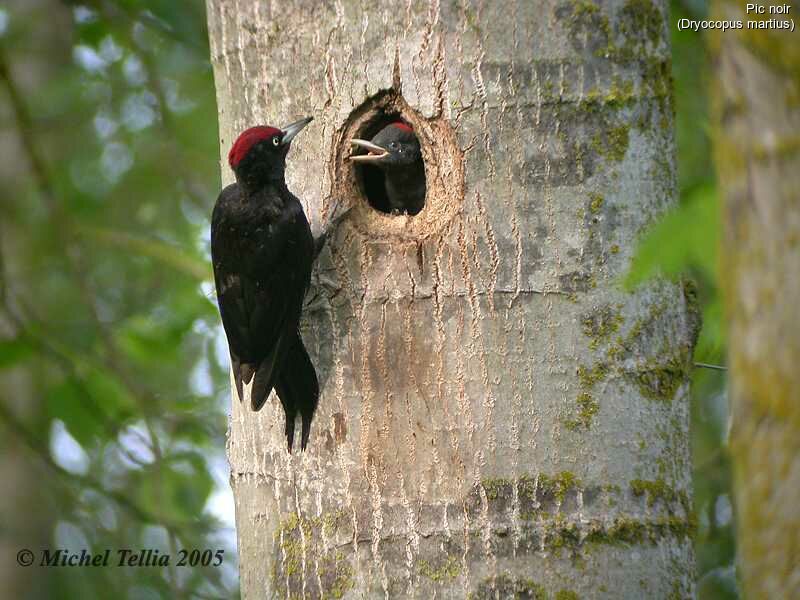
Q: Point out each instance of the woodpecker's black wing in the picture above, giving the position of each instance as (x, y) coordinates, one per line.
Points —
(262, 266)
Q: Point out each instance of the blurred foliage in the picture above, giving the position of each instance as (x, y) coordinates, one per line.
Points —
(685, 244)
(115, 385)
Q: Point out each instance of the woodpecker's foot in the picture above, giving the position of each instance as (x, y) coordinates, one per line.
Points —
(339, 218)
(319, 243)
(314, 298)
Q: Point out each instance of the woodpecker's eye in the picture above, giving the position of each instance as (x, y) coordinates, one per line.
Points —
(276, 140)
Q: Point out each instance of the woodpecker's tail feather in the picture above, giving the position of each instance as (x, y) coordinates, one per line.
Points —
(263, 382)
(242, 373)
(298, 390)
(289, 430)
(267, 372)
(247, 371)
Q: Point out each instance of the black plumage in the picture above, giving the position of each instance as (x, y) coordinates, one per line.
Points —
(263, 250)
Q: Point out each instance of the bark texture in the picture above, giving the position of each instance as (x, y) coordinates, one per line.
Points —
(758, 120)
(498, 417)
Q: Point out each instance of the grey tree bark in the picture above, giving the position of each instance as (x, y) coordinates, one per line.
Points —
(498, 417)
(758, 160)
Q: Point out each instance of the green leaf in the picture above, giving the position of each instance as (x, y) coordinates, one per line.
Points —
(711, 343)
(684, 239)
(91, 32)
(195, 430)
(110, 392)
(176, 488)
(89, 404)
(149, 342)
(14, 351)
(69, 402)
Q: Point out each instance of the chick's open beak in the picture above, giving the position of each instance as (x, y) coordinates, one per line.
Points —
(374, 154)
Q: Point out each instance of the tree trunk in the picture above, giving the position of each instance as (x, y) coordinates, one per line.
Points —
(27, 518)
(498, 418)
(758, 120)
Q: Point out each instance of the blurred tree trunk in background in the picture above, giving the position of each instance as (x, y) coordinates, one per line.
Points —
(498, 418)
(26, 522)
(758, 158)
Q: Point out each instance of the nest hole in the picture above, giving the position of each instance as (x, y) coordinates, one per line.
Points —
(371, 179)
(364, 189)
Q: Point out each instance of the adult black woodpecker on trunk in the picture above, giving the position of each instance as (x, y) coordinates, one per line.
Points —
(262, 250)
(396, 152)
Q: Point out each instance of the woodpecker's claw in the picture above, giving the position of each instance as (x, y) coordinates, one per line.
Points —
(319, 242)
(339, 218)
(374, 152)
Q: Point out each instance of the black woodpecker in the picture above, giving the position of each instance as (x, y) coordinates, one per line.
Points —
(262, 249)
(395, 150)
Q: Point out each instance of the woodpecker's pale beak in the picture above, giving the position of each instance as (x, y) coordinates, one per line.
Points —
(374, 154)
(292, 130)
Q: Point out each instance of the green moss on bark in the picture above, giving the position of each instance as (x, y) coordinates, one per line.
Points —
(694, 312)
(600, 324)
(494, 487)
(659, 379)
(658, 491)
(642, 20)
(508, 586)
(531, 489)
(559, 485)
(587, 409)
(588, 406)
(590, 376)
(298, 539)
(443, 570)
(612, 144)
(595, 202)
